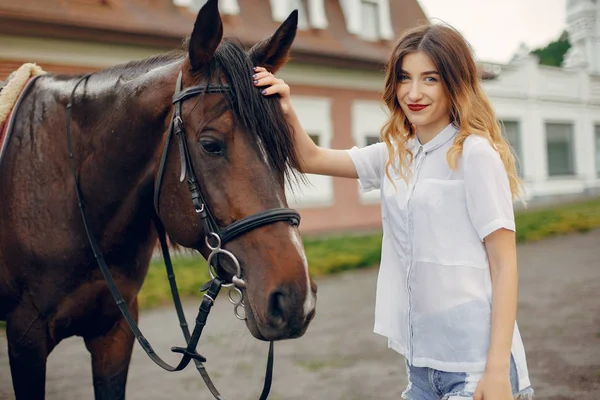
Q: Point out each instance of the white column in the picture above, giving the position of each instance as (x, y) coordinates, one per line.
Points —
(316, 14)
(280, 9)
(351, 10)
(230, 7)
(385, 29)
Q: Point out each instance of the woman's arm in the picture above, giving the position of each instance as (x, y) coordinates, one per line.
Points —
(489, 203)
(313, 159)
(502, 255)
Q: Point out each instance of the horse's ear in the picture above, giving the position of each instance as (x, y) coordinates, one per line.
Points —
(207, 34)
(273, 52)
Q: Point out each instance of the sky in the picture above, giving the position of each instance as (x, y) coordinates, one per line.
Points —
(495, 28)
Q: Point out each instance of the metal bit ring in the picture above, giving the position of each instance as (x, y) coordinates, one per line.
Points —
(237, 279)
(210, 236)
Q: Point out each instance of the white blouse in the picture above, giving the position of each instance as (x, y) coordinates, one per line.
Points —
(434, 291)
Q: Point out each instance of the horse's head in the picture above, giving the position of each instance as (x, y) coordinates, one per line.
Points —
(239, 149)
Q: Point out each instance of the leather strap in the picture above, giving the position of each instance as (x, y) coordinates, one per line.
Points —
(189, 351)
(257, 220)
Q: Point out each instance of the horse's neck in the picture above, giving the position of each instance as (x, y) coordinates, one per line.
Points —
(121, 127)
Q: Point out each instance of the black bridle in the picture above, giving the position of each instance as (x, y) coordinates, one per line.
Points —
(211, 228)
(215, 237)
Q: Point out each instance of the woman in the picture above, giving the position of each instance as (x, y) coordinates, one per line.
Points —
(447, 286)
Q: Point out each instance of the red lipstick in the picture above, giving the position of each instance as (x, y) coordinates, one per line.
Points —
(417, 107)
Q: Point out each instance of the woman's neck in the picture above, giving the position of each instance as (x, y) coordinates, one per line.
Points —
(426, 133)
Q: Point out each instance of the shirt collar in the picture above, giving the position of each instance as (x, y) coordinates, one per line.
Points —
(440, 139)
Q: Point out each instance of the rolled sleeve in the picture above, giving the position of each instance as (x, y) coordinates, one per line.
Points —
(369, 162)
(489, 199)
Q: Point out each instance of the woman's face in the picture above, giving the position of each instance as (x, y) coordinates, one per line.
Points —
(422, 94)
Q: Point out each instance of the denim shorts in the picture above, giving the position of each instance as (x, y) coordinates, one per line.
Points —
(431, 384)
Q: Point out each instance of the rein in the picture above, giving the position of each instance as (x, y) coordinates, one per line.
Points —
(215, 237)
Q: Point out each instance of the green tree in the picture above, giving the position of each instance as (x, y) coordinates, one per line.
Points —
(554, 52)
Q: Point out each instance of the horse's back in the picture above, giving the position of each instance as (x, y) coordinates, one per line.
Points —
(44, 250)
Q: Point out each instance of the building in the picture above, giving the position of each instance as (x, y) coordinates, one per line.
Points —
(336, 67)
(550, 115)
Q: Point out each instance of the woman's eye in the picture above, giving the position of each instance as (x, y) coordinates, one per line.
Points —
(212, 146)
(430, 79)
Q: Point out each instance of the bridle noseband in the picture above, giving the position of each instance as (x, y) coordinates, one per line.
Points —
(215, 237)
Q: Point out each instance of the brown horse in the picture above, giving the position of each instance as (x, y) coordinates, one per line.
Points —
(240, 151)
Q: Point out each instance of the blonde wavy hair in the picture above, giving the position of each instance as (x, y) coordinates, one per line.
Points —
(471, 111)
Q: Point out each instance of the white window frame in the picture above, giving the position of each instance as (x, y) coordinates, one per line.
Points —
(368, 116)
(518, 147)
(228, 7)
(311, 13)
(314, 114)
(352, 10)
(573, 155)
(369, 30)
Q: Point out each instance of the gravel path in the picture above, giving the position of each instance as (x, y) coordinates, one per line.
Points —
(341, 358)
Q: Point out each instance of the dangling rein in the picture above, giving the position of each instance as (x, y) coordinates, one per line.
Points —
(11, 96)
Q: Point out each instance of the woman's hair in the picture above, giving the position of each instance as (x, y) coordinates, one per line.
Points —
(471, 111)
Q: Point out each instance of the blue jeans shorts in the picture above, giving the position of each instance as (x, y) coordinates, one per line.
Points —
(431, 384)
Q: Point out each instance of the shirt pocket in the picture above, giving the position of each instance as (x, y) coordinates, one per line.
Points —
(442, 230)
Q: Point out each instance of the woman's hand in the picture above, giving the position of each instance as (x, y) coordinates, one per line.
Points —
(494, 386)
(313, 159)
(263, 78)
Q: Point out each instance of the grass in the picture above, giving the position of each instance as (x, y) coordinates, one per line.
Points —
(325, 256)
(329, 255)
(574, 217)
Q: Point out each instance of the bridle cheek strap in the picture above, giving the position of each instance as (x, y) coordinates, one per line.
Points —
(211, 227)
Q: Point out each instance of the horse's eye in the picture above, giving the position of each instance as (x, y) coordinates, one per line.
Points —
(212, 146)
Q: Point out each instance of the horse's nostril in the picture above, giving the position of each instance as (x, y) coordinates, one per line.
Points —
(277, 306)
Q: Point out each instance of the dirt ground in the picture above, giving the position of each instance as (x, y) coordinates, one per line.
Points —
(341, 358)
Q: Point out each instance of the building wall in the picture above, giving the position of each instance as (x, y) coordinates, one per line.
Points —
(336, 104)
(341, 108)
(525, 95)
(345, 105)
(535, 96)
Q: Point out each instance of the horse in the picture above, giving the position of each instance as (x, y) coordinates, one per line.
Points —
(118, 171)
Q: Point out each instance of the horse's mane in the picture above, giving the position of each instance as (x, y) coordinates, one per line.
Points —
(260, 115)
(136, 68)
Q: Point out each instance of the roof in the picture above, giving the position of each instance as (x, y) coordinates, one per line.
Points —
(161, 23)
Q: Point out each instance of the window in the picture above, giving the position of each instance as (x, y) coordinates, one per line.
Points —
(369, 11)
(368, 117)
(225, 6)
(560, 149)
(300, 5)
(372, 139)
(311, 13)
(597, 150)
(316, 138)
(315, 116)
(368, 19)
(512, 132)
